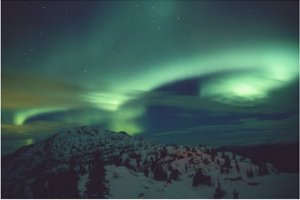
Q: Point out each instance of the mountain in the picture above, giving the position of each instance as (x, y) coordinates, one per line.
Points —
(89, 162)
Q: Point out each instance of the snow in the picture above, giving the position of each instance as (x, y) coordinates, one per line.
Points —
(83, 180)
(284, 185)
(125, 183)
(127, 180)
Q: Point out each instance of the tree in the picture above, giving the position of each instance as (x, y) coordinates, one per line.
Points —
(263, 169)
(39, 187)
(159, 174)
(213, 154)
(235, 194)
(205, 161)
(71, 182)
(163, 152)
(152, 164)
(146, 171)
(191, 161)
(226, 165)
(145, 162)
(250, 173)
(233, 156)
(96, 187)
(61, 184)
(242, 158)
(201, 178)
(174, 173)
(227, 162)
(237, 166)
(138, 161)
(223, 155)
(219, 193)
(186, 167)
(82, 169)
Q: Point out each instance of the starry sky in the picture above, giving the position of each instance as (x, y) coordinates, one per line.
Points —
(193, 72)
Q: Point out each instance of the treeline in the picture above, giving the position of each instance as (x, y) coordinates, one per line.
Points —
(285, 157)
(63, 183)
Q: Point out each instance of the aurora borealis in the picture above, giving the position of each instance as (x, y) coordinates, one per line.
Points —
(213, 72)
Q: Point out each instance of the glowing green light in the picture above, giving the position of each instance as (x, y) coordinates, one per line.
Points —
(245, 90)
(29, 141)
(125, 120)
(21, 116)
(126, 125)
(273, 67)
(105, 100)
(238, 88)
(272, 62)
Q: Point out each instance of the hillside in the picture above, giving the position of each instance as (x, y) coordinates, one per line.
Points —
(88, 162)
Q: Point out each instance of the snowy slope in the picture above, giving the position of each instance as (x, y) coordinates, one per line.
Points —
(126, 185)
(137, 168)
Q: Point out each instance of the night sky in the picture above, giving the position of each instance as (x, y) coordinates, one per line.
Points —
(192, 72)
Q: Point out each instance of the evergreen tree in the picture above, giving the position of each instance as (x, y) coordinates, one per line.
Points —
(223, 155)
(72, 182)
(226, 165)
(159, 174)
(146, 171)
(62, 184)
(186, 167)
(96, 187)
(145, 162)
(235, 194)
(262, 169)
(219, 193)
(242, 158)
(237, 166)
(138, 161)
(163, 152)
(233, 156)
(250, 173)
(82, 170)
(38, 186)
(201, 178)
(174, 173)
(205, 161)
(152, 164)
(40, 189)
(213, 154)
(227, 162)
(191, 161)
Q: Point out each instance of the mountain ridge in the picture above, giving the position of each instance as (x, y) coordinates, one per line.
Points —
(76, 154)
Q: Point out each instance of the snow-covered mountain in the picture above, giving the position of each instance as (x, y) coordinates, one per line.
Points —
(89, 162)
